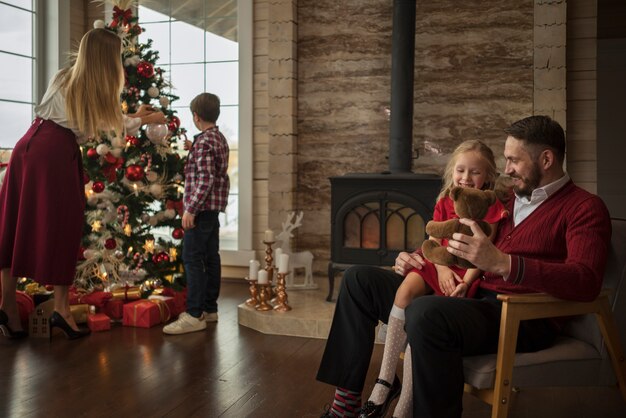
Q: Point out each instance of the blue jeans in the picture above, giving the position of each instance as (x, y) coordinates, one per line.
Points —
(202, 262)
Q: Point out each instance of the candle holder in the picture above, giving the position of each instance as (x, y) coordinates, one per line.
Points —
(269, 265)
(254, 294)
(281, 294)
(263, 305)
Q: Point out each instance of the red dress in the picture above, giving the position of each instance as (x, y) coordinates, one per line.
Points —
(444, 210)
(42, 205)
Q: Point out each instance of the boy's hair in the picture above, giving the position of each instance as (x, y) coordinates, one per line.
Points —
(466, 146)
(206, 106)
(540, 132)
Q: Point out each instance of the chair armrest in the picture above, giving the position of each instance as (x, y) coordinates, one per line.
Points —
(540, 305)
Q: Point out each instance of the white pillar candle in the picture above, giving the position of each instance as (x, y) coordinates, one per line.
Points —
(277, 254)
(254, 269)
(269, 235)
(262, 277)
(283, 263)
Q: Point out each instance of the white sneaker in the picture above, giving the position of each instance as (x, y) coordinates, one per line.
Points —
(185, 324)
(209, 316)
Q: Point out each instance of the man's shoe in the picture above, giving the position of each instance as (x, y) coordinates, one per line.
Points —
(209, 316)
(328, 412)
(370, 409)
(185, 324)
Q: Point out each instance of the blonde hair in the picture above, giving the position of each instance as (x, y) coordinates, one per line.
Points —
(467, 146)
(94, 83)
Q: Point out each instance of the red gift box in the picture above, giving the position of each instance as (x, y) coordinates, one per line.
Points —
(25, 306)
(114, 309)
(169, 301)
(180, 299)
(145, 313)
(98, 322)
(97, 298)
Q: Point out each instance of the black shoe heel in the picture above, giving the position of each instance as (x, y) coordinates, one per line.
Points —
(57, 321)
(371, 410)
(6, 330)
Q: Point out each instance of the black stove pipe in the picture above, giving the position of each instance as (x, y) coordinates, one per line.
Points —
(402, 70)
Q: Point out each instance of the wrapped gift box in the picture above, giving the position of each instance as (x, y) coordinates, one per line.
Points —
(127, 293)
(169, 301)
(80, 312)
(98, 322)
(145, 313)
(114, 309)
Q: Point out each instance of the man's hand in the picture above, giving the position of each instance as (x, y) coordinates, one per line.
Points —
(479, 250)
(188, 220)
(406, 262)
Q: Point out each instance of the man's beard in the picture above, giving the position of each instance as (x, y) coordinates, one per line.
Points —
(530, 183)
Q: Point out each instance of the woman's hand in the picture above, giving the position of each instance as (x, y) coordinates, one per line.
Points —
(143, 110)
(154, 117)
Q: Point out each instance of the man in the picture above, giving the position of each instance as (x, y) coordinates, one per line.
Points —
(555, 240)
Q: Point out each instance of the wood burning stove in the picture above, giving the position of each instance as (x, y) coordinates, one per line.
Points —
(376, 216)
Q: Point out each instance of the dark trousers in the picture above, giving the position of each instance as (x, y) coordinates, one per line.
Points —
(441, 330)
(202, 262)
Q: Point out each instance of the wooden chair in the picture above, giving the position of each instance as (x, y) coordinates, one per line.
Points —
(588, 353)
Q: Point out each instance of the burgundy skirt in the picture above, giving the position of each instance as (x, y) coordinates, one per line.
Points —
(42, 205)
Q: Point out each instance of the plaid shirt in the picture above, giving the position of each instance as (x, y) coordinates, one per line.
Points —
(206, 180)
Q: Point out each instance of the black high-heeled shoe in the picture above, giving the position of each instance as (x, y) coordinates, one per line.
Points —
(57, 321)
(370, 409)
(6, 330)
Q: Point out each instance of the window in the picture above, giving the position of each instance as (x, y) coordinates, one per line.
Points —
(17, 60)
(200, 48)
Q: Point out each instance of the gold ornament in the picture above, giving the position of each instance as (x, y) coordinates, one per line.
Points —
(124, 107)
(149, 246)
(173, 254)
(96, 226)
(128, 230)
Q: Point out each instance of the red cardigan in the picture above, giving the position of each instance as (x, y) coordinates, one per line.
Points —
(560, 249)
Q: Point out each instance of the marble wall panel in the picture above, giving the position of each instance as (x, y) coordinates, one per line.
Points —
(473, 77)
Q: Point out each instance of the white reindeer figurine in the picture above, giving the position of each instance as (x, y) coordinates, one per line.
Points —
(303, 259)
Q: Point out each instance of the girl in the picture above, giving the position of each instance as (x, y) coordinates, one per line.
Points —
(42, 197)
(472, 165)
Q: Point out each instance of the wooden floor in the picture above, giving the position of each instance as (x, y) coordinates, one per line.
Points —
(227, 371)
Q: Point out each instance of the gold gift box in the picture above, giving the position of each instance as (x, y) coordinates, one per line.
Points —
(80, 313)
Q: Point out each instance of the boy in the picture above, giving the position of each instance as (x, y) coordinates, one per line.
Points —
(206, 195)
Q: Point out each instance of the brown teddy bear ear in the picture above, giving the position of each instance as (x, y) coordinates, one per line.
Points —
(491, 196)
(454, 192)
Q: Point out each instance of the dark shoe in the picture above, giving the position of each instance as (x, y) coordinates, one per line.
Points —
(370, 409)
(57, 321)
(6, 331)
(328, 412)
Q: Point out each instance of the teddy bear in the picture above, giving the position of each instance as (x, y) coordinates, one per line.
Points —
(468, 203)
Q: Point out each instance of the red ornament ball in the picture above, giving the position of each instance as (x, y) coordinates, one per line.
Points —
(110, 244)
(145, 69)
(175, 120)
(161, 257)
(92, 153)
(132, 140)
(178, 233)
(172, 126)
(97, 187)
(134, 172)
(86, 178)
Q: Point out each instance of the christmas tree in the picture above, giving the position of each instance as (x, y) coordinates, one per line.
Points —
(134, 185)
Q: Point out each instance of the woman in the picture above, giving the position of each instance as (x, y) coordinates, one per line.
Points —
(42, 197)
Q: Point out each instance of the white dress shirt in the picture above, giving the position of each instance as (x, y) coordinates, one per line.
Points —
(524, 206)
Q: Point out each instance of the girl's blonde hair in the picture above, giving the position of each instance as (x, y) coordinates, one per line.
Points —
(466, 146)
(94, 83)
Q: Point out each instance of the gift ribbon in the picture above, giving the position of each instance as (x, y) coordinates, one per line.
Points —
(164, 310)
(124, 14)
